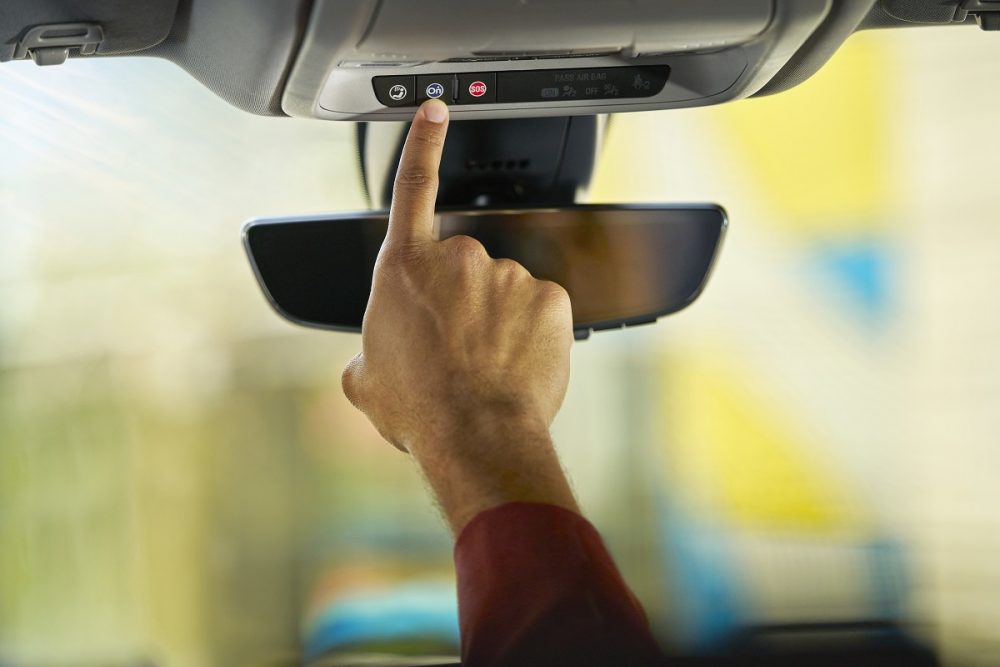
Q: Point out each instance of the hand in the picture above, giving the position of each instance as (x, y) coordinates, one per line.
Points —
(465, 359)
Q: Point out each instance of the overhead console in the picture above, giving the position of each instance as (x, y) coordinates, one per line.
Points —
(378, 59)
(340, 59)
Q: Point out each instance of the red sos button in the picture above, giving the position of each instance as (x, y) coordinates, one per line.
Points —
(477, 88)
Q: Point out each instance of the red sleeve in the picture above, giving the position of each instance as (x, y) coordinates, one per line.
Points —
(536, 585)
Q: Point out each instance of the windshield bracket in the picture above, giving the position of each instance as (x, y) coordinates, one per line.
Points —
(50, 44)
(987, 13)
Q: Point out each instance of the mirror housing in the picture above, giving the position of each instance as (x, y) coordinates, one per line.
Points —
(621, 265)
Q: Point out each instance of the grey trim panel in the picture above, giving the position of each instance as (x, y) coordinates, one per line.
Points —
(895, 14)
(240, 49)
(128, 25)
(246, 51)
(850, 16)
(922, 11)
(844, 18)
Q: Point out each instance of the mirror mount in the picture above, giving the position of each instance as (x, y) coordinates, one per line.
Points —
(511, 184)
(491, 163)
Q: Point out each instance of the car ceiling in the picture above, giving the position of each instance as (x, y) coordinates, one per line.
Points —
(273, 57)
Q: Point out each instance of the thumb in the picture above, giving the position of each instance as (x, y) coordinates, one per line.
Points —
(352, 380)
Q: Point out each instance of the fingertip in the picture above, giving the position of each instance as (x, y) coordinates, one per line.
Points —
(434, 111)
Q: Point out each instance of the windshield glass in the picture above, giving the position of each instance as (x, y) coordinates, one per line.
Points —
(183, 482)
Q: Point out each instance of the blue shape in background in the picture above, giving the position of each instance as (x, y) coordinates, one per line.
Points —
(696, 560)
(418, 610)
(863, 271)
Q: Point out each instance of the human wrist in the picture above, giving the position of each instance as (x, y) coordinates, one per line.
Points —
(456, 407)
(452, 432)
(489, 459)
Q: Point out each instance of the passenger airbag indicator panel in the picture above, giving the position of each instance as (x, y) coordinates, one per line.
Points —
(548, 85)
(581, 84)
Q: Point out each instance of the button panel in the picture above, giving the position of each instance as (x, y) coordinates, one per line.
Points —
(549, 85)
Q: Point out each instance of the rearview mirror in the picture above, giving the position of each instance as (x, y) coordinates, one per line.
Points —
(621, 265)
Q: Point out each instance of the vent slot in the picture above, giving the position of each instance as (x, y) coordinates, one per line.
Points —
(496, 165)
(486, 57)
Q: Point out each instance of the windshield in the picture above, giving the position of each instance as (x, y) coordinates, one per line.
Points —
(183, 482)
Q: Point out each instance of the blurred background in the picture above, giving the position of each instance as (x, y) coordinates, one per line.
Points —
(182, 482)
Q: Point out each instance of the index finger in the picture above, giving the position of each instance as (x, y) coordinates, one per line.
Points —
(411, 216)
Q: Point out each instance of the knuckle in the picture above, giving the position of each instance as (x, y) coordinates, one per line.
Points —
(509, 267)
(415, 178)
(553, 294)
(465, 249)
(427, 137)
(513, 274)
(398, 257)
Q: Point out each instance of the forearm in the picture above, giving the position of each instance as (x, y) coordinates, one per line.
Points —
(488, 462)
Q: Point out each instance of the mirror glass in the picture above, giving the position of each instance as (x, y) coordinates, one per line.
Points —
(621, 265)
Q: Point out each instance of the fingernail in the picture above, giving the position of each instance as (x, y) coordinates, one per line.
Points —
(435, 111)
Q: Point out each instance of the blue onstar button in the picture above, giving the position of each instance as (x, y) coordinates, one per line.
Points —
(435, 90)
